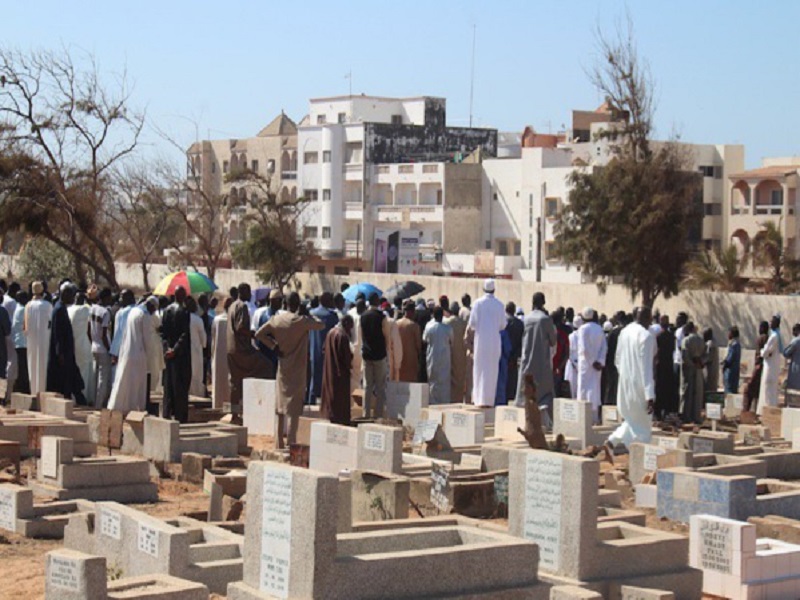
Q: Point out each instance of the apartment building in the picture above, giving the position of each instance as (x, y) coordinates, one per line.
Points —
(372, 167)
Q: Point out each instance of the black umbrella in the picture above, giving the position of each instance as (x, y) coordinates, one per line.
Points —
(403, 290)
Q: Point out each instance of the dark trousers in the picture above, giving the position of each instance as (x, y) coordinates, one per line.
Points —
(23, 383)
(178, 377)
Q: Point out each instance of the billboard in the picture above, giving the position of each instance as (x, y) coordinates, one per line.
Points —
(396, 251)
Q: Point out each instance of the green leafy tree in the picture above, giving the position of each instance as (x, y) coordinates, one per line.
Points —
(629, 220)
(41, 259)
(773, 255)
(718, 270)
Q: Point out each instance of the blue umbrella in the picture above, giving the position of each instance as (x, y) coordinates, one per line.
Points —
(360, 288)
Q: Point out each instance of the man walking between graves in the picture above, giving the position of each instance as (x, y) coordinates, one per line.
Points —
(486, 320)
(177, 357)
(99, 321)
(375, 337)
(326, 313)
(336, 397)
(131, 385)
(38, 313)
(516, 331)
(592, 349)
(243, 359)
(636, 388)
(538, 341)
(287, 334)
(439, 338)
(411, 341)
(692, 374)
(63, 375)
(772, 354)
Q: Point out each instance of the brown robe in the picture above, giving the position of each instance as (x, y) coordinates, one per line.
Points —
(335, 401)
(411, 341)
(243, 359)
(289, 331)
(458, 360)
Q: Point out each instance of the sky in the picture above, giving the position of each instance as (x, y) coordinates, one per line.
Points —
(725, 70)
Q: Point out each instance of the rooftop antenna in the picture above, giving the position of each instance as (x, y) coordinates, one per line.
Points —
(472, 74)
(349, 78)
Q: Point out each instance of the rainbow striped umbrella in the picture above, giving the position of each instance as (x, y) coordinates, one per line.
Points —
(192, 281)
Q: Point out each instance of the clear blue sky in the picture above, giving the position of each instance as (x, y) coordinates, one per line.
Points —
(726, 71)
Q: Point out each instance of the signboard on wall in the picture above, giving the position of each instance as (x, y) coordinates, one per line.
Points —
(396, 251)
(484, 262)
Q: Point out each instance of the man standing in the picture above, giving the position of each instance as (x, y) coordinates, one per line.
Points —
(99, 320)
(221, 390)
(22, 383)
(411, 341)
(338, 355)
(261, 316)
(515, 330)
(394, 350)
(439, 338)
(287, 334)
(731, 366)
(458, 356)
(130, 391)
(636, 348)
(592, 349)
(666, 387)
(63, 375)
(326, 313)
(486, 320)
(692, 374)
(772, 354)
(792, 353)
(38, 314)
(177, 358)
(243, 359)
(127, 300)
(375, 337)
(538, 340)
(611, 372)
(79, 314)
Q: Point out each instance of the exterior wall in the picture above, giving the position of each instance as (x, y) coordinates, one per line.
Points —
(461, 223)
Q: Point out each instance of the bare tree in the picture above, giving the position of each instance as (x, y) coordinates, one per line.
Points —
(63, 127)
(143, 229)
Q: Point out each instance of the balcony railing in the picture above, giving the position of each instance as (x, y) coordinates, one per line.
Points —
(768, 210)
(288, 174)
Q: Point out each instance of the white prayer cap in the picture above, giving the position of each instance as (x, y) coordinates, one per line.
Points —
(587, 313)
(152, 300)
(607, 326)
(577, 322)
(488, 286)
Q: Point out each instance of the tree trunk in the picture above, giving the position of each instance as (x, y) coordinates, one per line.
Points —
(145, 272)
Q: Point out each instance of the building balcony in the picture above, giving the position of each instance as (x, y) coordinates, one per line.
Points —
(353, 248)
(353, 211)
(414, 214)
(287, 175)
(416, 172)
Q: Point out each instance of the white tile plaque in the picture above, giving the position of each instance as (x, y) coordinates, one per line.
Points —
(276, 532)
(110, 523)
(148, 540)
(375, 440)
(8, 518)
(716, 546)
(64, 573)
(543, 507)
(569, 412)
(651, 454)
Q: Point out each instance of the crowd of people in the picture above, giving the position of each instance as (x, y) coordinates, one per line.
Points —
(108, 350)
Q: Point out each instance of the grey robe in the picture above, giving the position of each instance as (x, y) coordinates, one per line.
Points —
(439, 338)
(537, 342)
(792, 352)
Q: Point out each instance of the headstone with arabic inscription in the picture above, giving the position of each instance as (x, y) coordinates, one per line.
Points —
(380, 448)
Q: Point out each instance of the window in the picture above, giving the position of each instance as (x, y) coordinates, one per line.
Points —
(270, 166)
(405, 169)
(254, 166)
(321, 269)
(326, 156)
(397, 119)
(326, 233)
(776, 197)
(439, 197)
(717, 172)
(494, 196)
(225, 166)
(517, 248)
(341, 270)
(712, 210)
(309, 232)
(502, 248)
(550, 251)
(341, 118)
(321, 120)
(706, 171)
(311, 158)
(326, 194)
(310, 195)
(213, 166)
(552, 207)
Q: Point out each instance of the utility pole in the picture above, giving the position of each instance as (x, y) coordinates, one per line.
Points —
(472, 74)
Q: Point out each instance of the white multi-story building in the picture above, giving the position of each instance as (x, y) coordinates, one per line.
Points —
(369, 163)
(524, 195)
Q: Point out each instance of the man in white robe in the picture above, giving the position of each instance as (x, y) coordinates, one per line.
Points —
(156, 364)
(38, 313)
(127, 300)
(221, 389)
(772, 352)
(197, 341)
(130, 390)
(79, 314)
(592, 350)
(571, 371)
(486, 320)
(636, 387)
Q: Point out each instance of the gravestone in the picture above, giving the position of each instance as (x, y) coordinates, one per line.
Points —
(72, 575)
(610, 415)
(573, 419)
(464, 427)
(440, 487)
(507, 419)
(333, 448)
(405, 401)
(55, 451)
(258, 412)
(380, 448)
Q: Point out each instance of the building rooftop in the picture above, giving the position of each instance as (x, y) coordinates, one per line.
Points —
(767, 172)
(280, 125)
(365, 97)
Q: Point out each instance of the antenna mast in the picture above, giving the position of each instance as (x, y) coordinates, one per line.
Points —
(472, 74)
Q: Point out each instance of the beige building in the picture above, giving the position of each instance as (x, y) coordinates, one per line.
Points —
(272, 153)
(768, 193)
